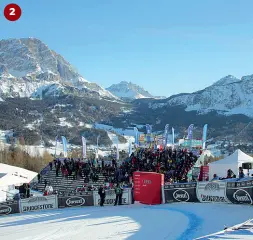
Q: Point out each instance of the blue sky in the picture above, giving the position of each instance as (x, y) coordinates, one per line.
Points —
(166, 46)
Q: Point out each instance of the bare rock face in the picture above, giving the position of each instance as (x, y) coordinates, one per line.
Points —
(26, 65)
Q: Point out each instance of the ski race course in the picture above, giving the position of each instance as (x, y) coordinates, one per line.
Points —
(134, 222)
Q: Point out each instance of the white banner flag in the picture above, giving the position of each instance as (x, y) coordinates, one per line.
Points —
(117, 153)
(84, 147)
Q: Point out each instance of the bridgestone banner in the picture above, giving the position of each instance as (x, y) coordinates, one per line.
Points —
(75, 201)
(111, 197)
(212, 192)
(181, 192)
(240, 192)
(39, 203)
(9, 207)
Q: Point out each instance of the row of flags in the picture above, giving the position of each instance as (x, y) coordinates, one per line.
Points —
(204, 134)
(136, 134)
(84, 143)
(166, 133)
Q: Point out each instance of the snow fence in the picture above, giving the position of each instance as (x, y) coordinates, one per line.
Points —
(236, 192)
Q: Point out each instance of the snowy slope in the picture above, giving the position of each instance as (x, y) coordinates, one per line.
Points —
(28, 65)
(227, 96)
(182, 221)
(129, 90)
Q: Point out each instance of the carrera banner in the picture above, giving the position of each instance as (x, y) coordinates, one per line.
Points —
(212, 192)
(75, 201)
(181, 192)
(240, 192)
(38, 203)
(9, 207)
(111, 197)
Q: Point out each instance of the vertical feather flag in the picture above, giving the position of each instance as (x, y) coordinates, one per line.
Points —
(98, 137)
(190, 131)
(166, 133)
(117, 150)
(173, 135)
(130, 148)
(149, 131)
(204, 136)
(84, 147)
(65, 149)
(136, 135)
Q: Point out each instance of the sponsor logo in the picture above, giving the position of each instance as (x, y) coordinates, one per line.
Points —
(37, 207)
(146, 181)
(207, 198)
(5, 209)
(212, 186)
(181, 195)
(242, 196)
(75, 201)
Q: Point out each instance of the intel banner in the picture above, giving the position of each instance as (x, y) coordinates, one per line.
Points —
(212, 192)
(180, 192)
(39, 203)
(76, 200)
(9, 207)
(240, 192)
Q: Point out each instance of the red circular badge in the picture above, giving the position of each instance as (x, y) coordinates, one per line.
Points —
(12, 12)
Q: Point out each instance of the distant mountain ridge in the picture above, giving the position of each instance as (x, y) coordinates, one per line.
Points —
(227, 96)
(42, 94)
(129, 91)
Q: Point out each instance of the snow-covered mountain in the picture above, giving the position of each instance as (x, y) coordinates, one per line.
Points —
(128, 90)
(227, 96)
(28, 67)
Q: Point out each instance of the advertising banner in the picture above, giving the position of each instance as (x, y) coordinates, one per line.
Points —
(76, 201)
(204, 173)
(39, 203)
(212, 192)
(9, 207)
(240, 192)
(180, 192)
(147, 187)
(192, 143)
(111, 197)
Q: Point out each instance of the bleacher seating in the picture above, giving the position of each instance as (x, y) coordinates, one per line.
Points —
(63, 184)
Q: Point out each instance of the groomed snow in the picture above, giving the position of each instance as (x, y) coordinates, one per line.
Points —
(135, 222)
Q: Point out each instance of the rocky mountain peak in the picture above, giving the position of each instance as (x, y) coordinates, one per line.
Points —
(226, 80)
(129, 90)
(33, 64)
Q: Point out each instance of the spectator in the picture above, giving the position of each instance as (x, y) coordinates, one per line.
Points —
(51, 166)
(38, 178)
(45, 183)
(215, 177)
(102, 195)
(118, 192)
(241, 173)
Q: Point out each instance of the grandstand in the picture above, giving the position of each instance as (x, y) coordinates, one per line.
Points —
(64, 184)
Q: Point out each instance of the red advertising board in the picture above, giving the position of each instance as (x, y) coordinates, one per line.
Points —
(204, 173)
(147, 187)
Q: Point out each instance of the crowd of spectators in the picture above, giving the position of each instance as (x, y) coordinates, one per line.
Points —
(173, 163)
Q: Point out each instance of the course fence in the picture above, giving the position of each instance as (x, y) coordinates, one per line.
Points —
(236, 192)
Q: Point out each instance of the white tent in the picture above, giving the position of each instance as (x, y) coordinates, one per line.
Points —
(11, 176)
(233, 162)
